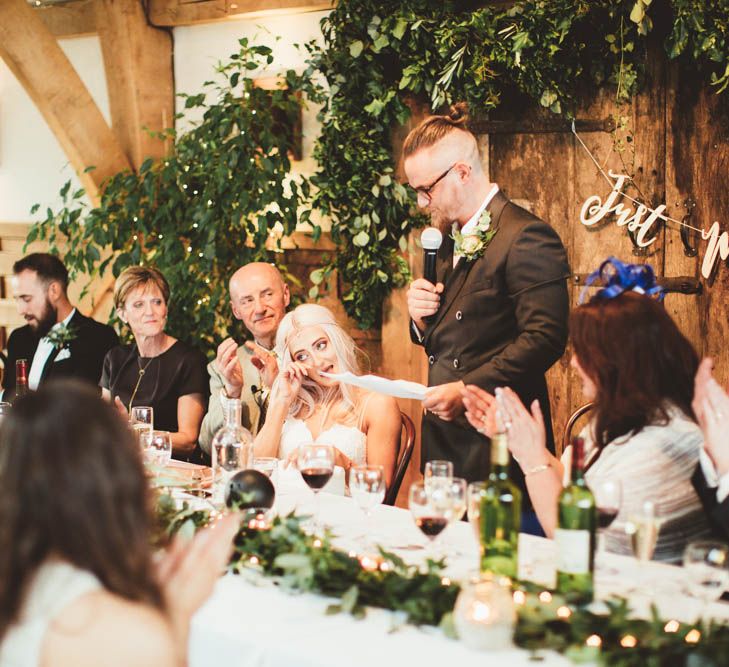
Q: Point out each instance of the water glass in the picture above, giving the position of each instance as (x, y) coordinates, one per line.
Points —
(457, 498)
(157, 447)
(707, 569)
(436, 471)
(265, 464)
(367, 486)
(4, 409)
(141, 420)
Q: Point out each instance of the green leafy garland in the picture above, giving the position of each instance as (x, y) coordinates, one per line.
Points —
(380, 59)
(212, 205)
(298, 561)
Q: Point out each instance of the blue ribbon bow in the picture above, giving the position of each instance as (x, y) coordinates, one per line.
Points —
(618, 277)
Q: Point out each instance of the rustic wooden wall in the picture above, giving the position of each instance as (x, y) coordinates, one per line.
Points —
(679, 150)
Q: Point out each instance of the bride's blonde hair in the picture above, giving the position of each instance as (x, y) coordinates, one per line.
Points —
(311, 393)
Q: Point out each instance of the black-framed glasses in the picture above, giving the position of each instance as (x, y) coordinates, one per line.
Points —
(426, 190)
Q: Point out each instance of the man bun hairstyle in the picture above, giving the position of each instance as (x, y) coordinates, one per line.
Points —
(434, 128)
(47, 267)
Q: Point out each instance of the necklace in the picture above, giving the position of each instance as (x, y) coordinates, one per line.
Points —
(139, 378)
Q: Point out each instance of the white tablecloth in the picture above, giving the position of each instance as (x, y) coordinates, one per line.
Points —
(248, 622)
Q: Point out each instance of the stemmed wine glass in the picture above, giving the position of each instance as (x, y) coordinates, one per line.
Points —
(707, 568)
(266, 464)
(436, 471)
(457, 489)
(316, 465)
(434, 506)
(367, 486)
(608, 499)
(643, 528)
(141, 420)
(156, 446)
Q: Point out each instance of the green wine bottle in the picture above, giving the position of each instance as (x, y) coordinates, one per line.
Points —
(575, 534)
(500, 515)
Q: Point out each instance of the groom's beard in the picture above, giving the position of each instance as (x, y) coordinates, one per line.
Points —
(46, 321)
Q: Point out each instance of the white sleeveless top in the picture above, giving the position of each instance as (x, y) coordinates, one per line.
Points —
(55, 586)
(347, 439)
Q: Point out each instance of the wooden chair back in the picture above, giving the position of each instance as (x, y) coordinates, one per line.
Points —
(402, 458)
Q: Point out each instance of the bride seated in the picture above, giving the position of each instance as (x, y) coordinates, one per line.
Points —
(307, 407)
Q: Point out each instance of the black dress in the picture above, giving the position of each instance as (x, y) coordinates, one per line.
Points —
(179, 371)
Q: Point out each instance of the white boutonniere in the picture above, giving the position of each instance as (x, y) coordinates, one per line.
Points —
(61, 335)
(472, 245)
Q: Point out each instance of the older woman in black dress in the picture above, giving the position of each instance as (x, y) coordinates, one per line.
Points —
(158, 370)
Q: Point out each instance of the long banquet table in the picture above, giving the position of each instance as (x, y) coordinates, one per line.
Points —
(249, 622)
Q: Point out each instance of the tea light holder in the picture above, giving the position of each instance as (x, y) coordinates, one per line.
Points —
(484, 615)
(257, 518)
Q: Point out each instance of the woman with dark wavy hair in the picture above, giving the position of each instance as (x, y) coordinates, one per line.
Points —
(637, 368)
(78, 583)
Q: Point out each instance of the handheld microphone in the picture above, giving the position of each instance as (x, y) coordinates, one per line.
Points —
(431, 240)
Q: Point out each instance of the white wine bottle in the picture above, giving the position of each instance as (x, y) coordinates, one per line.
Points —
(500, 517)
(575, 534)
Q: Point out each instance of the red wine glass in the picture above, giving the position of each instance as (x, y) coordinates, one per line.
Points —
(316, 465)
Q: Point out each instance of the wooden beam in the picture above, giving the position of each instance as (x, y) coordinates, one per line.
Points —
(73, 19)
(188, 12)
(138, 66)
(35, 58)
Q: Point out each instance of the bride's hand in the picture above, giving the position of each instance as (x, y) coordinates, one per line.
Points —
(288, 383)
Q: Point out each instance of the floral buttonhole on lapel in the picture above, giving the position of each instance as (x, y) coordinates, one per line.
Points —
(472, 245)
(60, 337)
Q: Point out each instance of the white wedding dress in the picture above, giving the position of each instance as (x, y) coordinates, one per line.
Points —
(55, 586)
(347, 439)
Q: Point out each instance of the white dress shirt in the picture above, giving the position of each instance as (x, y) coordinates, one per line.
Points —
(42, 352)
(473, 220)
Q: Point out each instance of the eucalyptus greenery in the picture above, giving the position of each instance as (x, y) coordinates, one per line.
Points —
(210, 207)
(204, 210)
(381, 58)
(608, 634)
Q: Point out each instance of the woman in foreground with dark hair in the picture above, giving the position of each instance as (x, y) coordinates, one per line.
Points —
(638, 370)
(78, 584)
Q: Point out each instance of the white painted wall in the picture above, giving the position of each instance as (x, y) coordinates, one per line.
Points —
(33, 166)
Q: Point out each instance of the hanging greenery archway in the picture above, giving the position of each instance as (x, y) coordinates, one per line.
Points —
(212, 205)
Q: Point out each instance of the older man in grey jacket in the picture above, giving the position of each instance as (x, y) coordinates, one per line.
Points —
(259, 298)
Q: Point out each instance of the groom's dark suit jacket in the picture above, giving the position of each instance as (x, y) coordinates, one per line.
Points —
(84, 360)
(502, 321)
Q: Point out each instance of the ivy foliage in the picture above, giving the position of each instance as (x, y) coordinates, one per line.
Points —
(204, 210)
(700, 33)
(379, 59)
(211, 206)
(611, 635)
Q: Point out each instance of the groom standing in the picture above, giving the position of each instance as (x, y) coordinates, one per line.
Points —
(497, 315)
